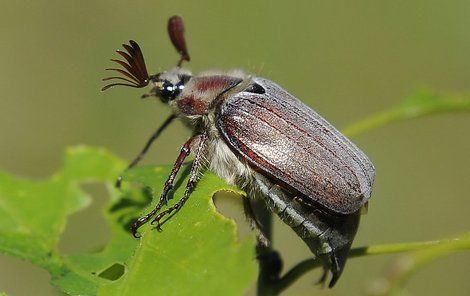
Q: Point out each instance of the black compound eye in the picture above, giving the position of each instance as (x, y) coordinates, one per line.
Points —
(167, 89)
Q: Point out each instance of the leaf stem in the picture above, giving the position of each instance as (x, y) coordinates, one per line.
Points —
(449, 245)
(371, 122)
(416, 105)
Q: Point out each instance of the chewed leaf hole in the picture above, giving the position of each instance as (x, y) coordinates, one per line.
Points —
(87, 229)
(229, 204)
(113, 272)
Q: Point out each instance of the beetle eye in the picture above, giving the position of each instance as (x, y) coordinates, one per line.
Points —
(167, 91)
(255, 88)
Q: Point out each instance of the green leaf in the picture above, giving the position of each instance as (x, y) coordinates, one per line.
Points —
(33, 213)
(417, 105)
(198, 246)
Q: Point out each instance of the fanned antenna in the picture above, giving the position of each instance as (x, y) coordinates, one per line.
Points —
(176, 32)
(134, 70)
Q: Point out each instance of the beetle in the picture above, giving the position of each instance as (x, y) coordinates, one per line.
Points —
(254, 134)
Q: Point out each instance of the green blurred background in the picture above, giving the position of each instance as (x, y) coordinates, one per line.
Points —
(346, 59)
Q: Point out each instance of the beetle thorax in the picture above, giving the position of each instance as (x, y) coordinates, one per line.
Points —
(199, 96)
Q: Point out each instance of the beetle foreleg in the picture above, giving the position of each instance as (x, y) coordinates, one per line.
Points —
(184, 152)
(149, 143)
(193, 176)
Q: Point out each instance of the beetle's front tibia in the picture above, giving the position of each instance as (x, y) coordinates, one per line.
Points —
(193, 176)
(185, 150)
(328, 236)
(149, 143)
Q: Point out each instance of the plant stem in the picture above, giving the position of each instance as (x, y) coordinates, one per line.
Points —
(449, 245)
(416, 105)
(372, 122)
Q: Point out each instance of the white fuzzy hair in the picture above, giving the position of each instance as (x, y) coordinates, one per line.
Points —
(224, 163)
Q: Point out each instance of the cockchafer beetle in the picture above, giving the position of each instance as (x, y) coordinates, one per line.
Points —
(254, 134)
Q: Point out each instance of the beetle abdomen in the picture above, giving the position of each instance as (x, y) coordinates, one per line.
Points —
(292, 144)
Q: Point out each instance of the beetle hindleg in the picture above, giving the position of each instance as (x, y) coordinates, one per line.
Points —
(337, 260)
(193, 175)
(328, 236)
(185, 150)
(254, 223)
(324, 276)
(149, 143)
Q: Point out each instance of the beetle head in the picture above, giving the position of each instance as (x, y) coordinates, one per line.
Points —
(166, 85)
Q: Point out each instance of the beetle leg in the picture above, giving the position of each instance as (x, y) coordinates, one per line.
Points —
(254, 223)
(193, 176)
(185, 150)
(322, 280)
(149, 143)
(328, 236)
(338, 259)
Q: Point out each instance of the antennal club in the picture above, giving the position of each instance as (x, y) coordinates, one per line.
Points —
(135, 71)
(176, 32)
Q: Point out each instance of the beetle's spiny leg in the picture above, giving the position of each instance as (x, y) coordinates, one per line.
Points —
(149, 143)
(185, 150)
(193, 176)
(170, 210)
(144, 219)
(254, 223)
(322, 280)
